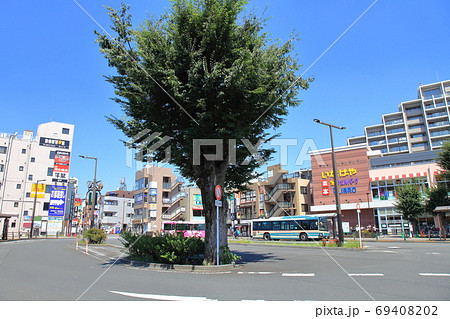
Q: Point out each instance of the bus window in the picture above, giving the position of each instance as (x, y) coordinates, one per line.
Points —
(285, 225)
(266, 226)
(276, 226)
(180, 227)
(168, 227)
(313, 225)
(201, 227)
(294, 225)
(257, 226)
(323, 224)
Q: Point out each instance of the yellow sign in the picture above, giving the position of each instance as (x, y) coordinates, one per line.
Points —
(41, 188)
(342, 173)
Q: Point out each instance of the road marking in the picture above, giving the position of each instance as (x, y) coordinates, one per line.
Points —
(366, 275)
(160, 297)
(433, 253)
(255, 273)
(297, 275)
(394, 247)
(434, 274)
(389, 251)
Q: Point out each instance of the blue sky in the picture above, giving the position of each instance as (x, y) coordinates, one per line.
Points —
(51, 68)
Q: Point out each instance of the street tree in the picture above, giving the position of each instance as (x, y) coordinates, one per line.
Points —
(409, 202)
(438, 196)
(203, 73)
(443, 159)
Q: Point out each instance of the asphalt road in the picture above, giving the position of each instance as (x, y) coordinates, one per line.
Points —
(51, 269)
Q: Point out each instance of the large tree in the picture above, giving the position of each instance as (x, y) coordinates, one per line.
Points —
(203, 70)
(409, 202)
(438, 196)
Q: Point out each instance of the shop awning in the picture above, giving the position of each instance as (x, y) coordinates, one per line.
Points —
(442, 209)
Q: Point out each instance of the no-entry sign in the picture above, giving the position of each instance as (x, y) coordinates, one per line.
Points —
(218, 192)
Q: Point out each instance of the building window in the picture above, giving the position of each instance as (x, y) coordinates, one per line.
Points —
(50, 171)
(305, 208)
(2, 166)
(52, 155)
(16, 204)
(65, 131)
(28, 195)
(30, 177)
(18, 186)
(303, 189)
(20, 168)
(13, 224)
(25, 213)
(3, 149)
(46, 205)
(24, 150)
(33, 159)
(48, 189)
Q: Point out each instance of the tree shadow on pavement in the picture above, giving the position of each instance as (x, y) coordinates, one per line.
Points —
(252, 257)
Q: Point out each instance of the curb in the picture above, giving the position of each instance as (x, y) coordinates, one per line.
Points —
(298, 246)
(184, 268)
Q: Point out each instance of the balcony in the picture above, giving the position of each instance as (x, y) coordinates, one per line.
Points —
(394, 122)
(439, 133)
(377, 133)
(438, 124)
(173, 215)
(396, 131)
(397, 140)
(167, 185)
(438, 114)
(376, 143)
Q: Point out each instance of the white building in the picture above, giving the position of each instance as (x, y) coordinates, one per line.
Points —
(116, 210)
(419, 125)
(26, 160)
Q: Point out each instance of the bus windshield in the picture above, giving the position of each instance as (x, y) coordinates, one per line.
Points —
(323, 224)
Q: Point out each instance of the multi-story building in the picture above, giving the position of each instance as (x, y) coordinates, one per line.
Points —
(116, 210)
(368, 180)
(26, 161)
(158, 194)
(419, 125)
(279, 194)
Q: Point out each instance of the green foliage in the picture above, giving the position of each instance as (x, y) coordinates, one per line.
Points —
(95, 235)
(409, 202)
(164, 249)
(443, 159)
(203, 70)
(227, 257)
(436, 196)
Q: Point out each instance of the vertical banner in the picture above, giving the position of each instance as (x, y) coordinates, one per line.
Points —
(61, 166)
(57, 201)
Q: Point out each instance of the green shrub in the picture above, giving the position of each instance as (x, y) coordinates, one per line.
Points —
(227, 257)
(164, 249)
(95, 236)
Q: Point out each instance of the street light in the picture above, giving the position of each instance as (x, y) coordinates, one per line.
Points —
(336, 185)
(34, 206)
(94, 190)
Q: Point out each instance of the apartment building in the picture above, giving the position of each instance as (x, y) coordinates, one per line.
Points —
(158, 196)
(34, 166)
(419, 125)
(116, 210)
(280, 193)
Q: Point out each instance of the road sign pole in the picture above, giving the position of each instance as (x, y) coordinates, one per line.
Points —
(217, 235)
(359, 225)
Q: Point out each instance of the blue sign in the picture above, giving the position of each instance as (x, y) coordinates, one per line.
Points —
(57, 201)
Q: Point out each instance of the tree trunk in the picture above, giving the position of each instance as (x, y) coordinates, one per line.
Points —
(442, 226)
(207, 184)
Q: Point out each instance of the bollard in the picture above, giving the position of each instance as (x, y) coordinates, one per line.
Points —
(76, 244)
(87, 249)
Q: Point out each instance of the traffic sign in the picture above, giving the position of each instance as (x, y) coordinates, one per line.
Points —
(358, 206)
(218, 203)
(218, 192)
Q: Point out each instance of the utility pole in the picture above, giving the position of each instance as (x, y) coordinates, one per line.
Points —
(34, 206)
(336, 185)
